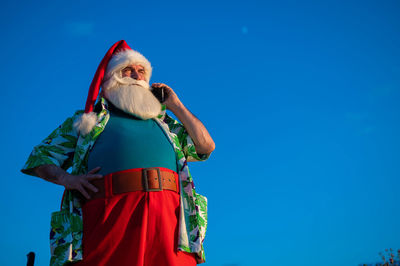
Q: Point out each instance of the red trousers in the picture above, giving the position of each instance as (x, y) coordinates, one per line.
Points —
(135, 228)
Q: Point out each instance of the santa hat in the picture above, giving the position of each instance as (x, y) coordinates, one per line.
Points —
(117, 57)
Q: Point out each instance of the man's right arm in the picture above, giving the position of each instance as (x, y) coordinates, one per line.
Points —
(57, 175)
(57, 149)
(50, 159)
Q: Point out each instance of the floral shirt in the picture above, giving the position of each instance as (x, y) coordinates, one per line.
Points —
(65, 148)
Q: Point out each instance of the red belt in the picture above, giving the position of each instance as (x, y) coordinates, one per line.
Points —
(145, 179)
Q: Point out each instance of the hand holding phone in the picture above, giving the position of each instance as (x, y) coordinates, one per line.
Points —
(165, 95)
(159, 93)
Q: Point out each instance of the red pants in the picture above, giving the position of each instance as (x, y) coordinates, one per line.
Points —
(136, 229)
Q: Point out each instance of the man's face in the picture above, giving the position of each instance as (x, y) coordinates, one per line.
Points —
(137, 72)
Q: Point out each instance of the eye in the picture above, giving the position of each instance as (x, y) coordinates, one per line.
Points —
(142, 71)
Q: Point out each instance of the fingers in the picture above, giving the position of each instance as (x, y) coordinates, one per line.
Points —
(89, 185)
(84, 185)
(158, 85)
(92, 174)
(94, 170)
(83, 191)
(91, 177)
(168, 91)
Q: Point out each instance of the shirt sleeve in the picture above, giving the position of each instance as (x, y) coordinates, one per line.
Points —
(58, 148)
(185, 141)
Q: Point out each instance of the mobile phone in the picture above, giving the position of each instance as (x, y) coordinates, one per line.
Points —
(159, 93)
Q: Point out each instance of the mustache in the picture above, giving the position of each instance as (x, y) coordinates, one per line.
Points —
(116, 81)
(131, 81)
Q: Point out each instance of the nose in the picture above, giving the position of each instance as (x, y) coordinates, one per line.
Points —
(134, 74)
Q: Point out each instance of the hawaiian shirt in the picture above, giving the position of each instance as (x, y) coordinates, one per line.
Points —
(66, 148)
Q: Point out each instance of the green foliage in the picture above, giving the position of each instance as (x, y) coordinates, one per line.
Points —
(70, 138)
(70, 145)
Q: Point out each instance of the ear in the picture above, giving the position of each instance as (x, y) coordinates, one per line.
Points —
(85, 123)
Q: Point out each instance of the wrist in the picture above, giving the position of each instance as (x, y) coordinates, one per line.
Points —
(176, 106)
(62, 179)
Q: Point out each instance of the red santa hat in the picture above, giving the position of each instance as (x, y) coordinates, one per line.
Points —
(119, 56)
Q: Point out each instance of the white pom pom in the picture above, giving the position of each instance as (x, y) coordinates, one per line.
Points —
(85, 123)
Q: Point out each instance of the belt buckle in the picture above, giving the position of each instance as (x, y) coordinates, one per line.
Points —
(145, 179)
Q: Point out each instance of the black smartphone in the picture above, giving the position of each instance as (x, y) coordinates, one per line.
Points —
(159, 93)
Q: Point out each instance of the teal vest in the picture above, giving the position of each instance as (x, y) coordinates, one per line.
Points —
(130, 142)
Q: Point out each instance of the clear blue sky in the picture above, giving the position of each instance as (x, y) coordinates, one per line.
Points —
(301, 98)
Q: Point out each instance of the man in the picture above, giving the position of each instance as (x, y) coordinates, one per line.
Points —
(130, 198)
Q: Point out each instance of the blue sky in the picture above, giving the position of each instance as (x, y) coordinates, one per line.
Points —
(301, 98)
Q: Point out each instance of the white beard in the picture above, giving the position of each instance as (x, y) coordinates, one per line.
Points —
(132, 96)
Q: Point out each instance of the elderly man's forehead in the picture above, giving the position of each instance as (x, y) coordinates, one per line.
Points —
(135, 66)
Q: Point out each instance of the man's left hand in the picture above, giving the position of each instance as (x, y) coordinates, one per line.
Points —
(171, 99)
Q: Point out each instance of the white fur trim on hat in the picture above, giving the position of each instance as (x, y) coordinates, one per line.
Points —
(85, 123)
(125, 58)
